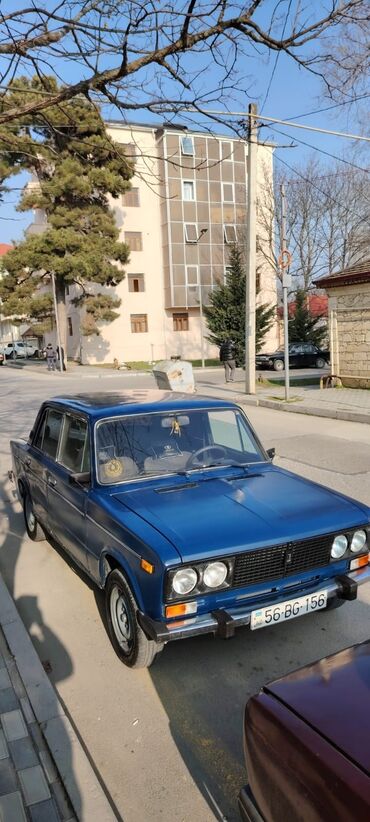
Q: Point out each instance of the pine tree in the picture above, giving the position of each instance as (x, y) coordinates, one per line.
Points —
(226, 312)
(75, 165)
(303, 327)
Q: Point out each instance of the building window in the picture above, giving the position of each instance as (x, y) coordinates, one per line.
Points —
(230, 235)
(134, 240)
(227, 272)
(131, 198)
(70, 326)
(192, 275)
(136, 283)
(181, 322)
(187, 146)
(226, 150)
(228, 192)
(191, 233)
(188, 190)
(139, 323)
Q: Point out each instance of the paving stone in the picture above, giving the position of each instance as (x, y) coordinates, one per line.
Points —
(37, 736)
(8, 700)
(27, 710)
(48, 765)
(12, 808)
(44, 812)
(34, 784)
(23, 753)
(4, 679)
(14, 725)
(8, 779)
(2, 661)
(3, 746)
(16, 680)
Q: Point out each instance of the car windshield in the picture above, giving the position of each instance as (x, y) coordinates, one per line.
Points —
(146, 445)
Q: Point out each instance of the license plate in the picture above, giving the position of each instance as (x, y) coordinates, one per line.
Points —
(290, 609)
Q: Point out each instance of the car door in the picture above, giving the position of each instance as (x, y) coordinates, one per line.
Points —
(294, 356)
(67, 500)
(40, 459)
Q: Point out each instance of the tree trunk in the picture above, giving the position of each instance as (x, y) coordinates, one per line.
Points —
(60, 292)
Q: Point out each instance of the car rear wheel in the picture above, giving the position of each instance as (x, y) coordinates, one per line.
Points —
(34, 529)
(278, 365)
(127, 637)
(13, 355)
(320, 362)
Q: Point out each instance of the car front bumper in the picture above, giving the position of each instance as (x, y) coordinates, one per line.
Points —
(223, 622)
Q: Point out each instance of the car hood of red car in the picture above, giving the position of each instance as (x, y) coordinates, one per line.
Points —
(333, 697)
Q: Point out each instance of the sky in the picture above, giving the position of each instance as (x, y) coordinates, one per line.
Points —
(281, 89)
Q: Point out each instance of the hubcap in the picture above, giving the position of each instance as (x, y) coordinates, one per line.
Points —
(120, 619)
(30, 518)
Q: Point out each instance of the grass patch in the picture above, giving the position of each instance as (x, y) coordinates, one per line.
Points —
(283, 400)
(296, 381)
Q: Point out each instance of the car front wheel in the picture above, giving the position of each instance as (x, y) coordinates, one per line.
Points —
(127, 637)
(320, 362)
(34, 530)
(278, 365)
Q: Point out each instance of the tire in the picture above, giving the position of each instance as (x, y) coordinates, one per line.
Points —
(334, 603)
(13, 355)
(320, 362)
(35, 354)
(278, 365)
(34, 529)
(127, 637)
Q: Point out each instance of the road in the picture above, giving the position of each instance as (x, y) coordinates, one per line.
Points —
(168, 742)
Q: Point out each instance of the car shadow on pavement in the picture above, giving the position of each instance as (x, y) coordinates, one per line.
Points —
(204, 683)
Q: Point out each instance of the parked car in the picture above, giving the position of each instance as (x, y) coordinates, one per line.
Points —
(172, 506)
(2, 358)
(13, 350)
(307, 743)
(301, 355)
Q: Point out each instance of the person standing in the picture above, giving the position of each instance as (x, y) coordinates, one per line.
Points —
(50, 357)
(227, 357)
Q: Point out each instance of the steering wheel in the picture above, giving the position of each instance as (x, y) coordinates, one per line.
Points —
(219, 449)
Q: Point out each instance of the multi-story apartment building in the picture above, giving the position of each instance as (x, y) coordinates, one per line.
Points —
(186, 207)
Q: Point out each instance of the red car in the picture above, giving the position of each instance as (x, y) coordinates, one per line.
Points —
(1, 358)
(307, 744)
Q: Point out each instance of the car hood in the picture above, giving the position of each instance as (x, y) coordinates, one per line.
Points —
(215, 515)
(332, 696)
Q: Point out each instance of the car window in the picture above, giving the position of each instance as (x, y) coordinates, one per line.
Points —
(223, 429)
(53, 424)
(37, 442)
(74, 451)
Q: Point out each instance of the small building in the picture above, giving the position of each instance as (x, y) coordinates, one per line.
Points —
(349, 323)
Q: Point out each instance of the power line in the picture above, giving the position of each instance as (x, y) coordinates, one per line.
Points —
(329, 108)
(277, 56)
(322, 151)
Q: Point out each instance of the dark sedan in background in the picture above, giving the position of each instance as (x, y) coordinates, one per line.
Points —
(301, 355)
(307, 744)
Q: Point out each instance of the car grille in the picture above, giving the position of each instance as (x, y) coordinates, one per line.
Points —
(281, 560)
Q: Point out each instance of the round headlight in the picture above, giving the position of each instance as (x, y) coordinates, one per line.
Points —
(184, 581)
(215, 574)
(358, 541)
(339, 546)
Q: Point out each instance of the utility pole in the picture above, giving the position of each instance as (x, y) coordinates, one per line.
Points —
(57, 321)
(286, 281)
(250, 274)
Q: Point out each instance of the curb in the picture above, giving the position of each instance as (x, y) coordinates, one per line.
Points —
(314, 411)
(79, 779)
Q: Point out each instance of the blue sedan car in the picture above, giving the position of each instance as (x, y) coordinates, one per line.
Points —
(173, 507)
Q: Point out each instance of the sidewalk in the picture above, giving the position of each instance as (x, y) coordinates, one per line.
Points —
(45, 775)
(337, 403)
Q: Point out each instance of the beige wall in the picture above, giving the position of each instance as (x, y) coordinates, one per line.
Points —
(349, 329)
(160, 218)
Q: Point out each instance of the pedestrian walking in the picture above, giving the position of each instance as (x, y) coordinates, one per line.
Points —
(50, 357)
(227, 357)
(59, 352)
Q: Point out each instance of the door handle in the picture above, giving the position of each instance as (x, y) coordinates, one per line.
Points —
(27, 462)
(52, 481)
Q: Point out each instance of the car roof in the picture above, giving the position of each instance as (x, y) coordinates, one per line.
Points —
(110, 404)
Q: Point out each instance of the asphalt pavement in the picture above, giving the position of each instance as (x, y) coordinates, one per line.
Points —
(167, 742)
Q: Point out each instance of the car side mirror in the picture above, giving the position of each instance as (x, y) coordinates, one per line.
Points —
(271, 453)
(80, 478)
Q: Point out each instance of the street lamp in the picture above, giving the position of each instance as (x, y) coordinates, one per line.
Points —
(202, 232)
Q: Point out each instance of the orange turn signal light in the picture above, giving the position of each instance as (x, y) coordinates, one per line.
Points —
(147, 566)
(359, 562)
(181, 610)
